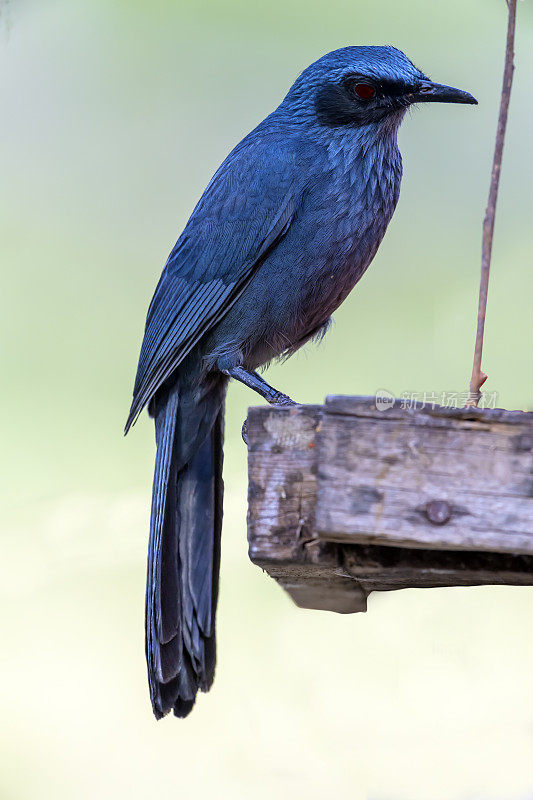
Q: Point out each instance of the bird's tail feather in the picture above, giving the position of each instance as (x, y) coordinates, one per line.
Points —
(184, 547)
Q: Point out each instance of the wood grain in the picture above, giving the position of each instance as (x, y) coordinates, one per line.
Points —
(378, 471)
(282, 490)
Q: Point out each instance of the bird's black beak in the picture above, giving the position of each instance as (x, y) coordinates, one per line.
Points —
(428, 92)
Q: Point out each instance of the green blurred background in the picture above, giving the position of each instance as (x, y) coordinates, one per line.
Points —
(114, 117)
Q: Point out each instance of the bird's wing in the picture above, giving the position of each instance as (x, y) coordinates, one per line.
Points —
(245, 211)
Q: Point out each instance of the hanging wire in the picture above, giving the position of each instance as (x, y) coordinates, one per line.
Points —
(478, 377)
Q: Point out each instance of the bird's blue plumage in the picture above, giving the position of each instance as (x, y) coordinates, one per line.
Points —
(283, 232)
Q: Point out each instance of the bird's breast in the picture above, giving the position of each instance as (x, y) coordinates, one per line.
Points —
(348, 214)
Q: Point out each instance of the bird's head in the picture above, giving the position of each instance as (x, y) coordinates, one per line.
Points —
(357, 86)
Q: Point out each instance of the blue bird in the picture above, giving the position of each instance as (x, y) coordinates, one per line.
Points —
(285, 229)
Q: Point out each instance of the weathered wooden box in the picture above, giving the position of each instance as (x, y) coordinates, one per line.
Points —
(345, 499)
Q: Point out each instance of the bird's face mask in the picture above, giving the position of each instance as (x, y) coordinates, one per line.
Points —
(362, 98)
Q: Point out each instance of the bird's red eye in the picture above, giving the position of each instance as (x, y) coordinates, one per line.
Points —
(364, 90)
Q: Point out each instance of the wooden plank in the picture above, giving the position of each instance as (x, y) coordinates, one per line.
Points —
(324, 588)
(382, 474)
(282, 467)
(291, 451)
(386, 568)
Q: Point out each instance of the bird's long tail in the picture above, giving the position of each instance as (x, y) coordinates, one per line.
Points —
(184, 546)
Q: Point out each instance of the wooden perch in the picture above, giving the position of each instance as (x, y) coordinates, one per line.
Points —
(345, 499)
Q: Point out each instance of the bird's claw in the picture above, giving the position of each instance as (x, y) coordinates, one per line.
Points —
(280, 399)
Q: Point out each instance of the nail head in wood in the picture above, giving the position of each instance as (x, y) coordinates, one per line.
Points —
(438, 512)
